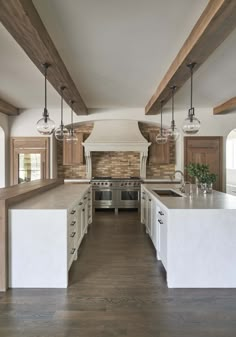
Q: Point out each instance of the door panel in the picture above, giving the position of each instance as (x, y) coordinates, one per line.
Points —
(205, 150)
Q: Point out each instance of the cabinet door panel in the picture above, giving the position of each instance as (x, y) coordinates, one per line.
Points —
(205, 150)
(73, 152)
(158, 153)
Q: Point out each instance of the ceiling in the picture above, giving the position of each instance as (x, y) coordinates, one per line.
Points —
(117, 52)
(21, 83)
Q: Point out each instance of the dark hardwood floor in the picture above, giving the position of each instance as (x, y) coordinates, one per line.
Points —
(117, 288)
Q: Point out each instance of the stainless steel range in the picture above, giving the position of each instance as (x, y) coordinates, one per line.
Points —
(116, 192)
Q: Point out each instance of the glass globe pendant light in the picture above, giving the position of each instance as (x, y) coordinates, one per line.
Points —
(45, 125)
(191, 124)
(161, 138)
(72, 138)
(61, 132)
(173, 133)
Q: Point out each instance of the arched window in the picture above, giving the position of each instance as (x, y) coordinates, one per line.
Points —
(231, 163)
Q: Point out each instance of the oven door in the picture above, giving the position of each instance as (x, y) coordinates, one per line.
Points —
(103, 198)
(128, 198)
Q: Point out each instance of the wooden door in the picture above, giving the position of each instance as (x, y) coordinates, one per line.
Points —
(158, 153)
(205, 150)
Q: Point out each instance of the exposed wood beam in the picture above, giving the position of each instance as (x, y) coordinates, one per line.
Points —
(23, 22)
(8, 108)
(217, 21)
(225, 107)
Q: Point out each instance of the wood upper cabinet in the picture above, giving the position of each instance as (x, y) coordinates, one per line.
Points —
(73, 153)
(158, 153)
(205, 150)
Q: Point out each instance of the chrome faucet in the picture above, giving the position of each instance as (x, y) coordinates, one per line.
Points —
(182, 182)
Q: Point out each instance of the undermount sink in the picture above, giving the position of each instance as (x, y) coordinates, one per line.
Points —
(167, 193)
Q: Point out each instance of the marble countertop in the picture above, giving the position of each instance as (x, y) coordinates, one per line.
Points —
(61, 197)
(198, 200)
(158, 180)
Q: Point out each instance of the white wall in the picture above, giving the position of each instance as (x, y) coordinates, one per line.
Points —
(24, 124)
(4, 151)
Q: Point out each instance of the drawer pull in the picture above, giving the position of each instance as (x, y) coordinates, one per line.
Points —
(80, 203)
(85, 198)
(83, 209)
(160, 221)
(143, 198)
(73, 223)
(72, 251)
(161, 213)
(73, 212)
(150, 199)
(72, 234)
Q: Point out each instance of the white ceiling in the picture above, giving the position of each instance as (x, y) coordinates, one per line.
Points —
(118, 51)
(21, 83)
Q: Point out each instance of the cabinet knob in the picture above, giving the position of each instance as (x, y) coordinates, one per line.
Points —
(85, 198)
(160, 221)
(80, 203)
(83, 209)
(72, 234)
(73, 212)
(150, 199)
(161, 213)
(73, 223)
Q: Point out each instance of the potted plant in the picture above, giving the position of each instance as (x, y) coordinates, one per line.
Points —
(207, 180)
(196, 170)
(202, 176)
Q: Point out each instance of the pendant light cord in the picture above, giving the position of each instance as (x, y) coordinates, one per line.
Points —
(161, 118)
(45, 87)
(62, 89)
(72, 121)
(172, 103)
(191, 87)
(45, 112)
(191, 109)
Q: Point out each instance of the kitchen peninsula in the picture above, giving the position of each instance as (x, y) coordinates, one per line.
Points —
(45, 232)
(194, 236)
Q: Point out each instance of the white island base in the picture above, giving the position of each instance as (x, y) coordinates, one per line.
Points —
(194, 237)
(202, 249)
(45, 233)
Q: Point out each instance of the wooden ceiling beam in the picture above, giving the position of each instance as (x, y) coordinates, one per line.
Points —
(217, 21)
(8, 108)
(23, 22)
(225, 107)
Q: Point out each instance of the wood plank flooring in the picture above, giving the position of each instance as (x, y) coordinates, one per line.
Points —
(117, 288)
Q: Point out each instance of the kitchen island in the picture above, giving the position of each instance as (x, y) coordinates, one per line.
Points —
(194, 236)
(45, 232)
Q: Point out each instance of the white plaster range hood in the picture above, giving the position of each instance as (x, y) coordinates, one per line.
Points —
(116, 135)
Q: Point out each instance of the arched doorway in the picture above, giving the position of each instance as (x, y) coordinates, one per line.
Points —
(231, 163)
(2, 158)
